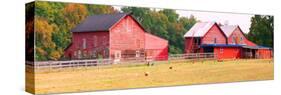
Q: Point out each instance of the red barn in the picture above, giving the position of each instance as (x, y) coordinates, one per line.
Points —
(228, 42)
(117, 36)
(203, 33)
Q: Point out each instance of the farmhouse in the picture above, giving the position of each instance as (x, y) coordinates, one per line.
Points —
(116, 36)
(227, 42)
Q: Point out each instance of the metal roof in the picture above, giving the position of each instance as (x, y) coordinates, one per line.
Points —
(199, 29)
(228, 29)
(102, 22)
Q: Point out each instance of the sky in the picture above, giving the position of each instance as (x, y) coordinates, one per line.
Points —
(243, 20)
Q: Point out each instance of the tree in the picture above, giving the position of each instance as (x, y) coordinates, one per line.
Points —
(100, 9)
(261, 30)
(164, 23)
(44, 43)
(74, 14)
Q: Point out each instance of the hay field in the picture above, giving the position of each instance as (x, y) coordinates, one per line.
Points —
(180, 73)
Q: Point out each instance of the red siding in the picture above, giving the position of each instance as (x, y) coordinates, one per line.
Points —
(187, 45)
(156, 47)
(98, 47)
(126, 35)
(227, 52)
(214, 32)
(264, 53)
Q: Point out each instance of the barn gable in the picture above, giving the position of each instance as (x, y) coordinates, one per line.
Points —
(228, 29)
(200, 29)
(234, 32)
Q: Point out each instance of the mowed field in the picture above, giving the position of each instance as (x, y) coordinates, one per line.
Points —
(174, 73)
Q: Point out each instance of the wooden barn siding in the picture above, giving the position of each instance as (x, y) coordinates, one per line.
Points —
(187, 45)
(157, 47)
(264, 53)
(158, 54)
(123, 37)
(102, 38)
(214, 32)
(237, 33)
(228, 52)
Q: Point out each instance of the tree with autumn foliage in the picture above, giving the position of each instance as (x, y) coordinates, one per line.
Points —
(54, 20)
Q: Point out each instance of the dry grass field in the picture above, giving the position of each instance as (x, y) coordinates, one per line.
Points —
(175, 73)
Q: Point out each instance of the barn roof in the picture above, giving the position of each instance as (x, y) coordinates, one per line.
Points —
(102, 22)
(228, 29)
(199, 29)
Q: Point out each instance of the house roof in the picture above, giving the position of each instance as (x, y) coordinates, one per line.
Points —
(102, 22)
(228, 29)
(199, 29)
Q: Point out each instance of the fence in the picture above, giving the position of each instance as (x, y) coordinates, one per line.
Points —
(103, 62)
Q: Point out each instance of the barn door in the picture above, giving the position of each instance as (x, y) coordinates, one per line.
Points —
(117, 56)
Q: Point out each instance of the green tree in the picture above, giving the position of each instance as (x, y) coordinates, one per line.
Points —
(164, 23)
(261, 30)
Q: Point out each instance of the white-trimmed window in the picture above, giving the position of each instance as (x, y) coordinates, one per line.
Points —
(95, 41)
(84, 43)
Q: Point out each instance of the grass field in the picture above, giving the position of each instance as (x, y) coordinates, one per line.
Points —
(182, 73)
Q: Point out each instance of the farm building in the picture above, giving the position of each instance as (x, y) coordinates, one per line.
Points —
(116, 36)
(227, 42)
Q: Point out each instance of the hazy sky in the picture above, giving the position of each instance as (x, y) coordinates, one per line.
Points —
(243, 20)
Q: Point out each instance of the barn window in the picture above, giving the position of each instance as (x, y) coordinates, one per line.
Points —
(233, 40)
(128, 26)
(221, 50)
(215, 40)
(137, 53)
(94, 54)
(84, 43)
(95, 41)
(106, 52)
(79, 54)
(104, 39)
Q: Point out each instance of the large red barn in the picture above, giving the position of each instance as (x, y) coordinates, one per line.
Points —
(227, 42)
(116, 36)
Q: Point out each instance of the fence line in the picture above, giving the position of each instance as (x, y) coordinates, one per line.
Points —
(103, 62)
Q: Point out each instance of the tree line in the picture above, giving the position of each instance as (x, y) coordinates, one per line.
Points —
(51, 23)
(54, 20)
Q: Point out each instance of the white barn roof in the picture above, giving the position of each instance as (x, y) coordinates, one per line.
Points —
(228, 29)
(199, 29)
